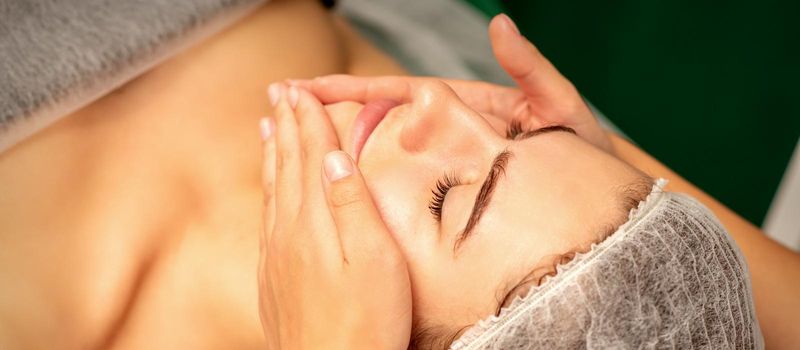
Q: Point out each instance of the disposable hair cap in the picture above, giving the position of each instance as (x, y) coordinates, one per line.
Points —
(670, 277)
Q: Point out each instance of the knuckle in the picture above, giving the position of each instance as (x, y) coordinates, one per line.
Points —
(302, 111)
(316, 146)
(285, 111)
(283, 159)
(268, 182)
(345, 195)
(309, 146)
(324, 81)
(268, 197)
(279, 162)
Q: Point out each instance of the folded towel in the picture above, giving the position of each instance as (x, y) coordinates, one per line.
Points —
(57, 56)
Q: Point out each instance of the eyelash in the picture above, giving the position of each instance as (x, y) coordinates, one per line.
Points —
(515, 129)
(448, 181)
(443, 185)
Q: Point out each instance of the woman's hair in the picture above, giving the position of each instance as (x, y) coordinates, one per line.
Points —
(426, 336)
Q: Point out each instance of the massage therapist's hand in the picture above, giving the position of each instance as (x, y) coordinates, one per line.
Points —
(330, 276)
(545, 97)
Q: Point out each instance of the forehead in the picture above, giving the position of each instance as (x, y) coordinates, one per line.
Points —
(557, 194)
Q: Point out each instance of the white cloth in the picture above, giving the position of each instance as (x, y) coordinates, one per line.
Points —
(669, 278)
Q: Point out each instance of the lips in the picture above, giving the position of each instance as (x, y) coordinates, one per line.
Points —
(367, 120)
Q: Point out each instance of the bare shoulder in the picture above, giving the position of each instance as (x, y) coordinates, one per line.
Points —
(115, 213)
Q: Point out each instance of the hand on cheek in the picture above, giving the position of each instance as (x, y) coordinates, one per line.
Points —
(330, 274)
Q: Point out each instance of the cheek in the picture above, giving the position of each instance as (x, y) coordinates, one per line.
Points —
(461, 290)
(396, 196)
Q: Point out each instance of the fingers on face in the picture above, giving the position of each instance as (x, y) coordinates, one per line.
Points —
(486, 97)
(288, 163)
(267, 126)
(480, 96)
(340, 87)
(317, 138)
(303, 135)
(362, 232)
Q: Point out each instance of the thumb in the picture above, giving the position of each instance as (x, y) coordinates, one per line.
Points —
(361, 229)
(532, 72)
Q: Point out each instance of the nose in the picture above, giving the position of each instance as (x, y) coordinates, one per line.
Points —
(438, 121)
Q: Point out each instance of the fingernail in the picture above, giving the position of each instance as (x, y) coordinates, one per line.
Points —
(337, 165)
(510, 23)
(267, 127)
(293, 82)
(294, 95)
(274, 92)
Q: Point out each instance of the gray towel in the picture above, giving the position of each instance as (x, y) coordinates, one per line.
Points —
(57, 56)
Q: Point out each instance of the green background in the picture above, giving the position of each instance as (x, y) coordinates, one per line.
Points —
(708, 87)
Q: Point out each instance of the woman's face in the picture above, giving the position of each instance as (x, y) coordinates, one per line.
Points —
(549, 193)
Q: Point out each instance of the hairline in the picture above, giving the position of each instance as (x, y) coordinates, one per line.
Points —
(438, 337)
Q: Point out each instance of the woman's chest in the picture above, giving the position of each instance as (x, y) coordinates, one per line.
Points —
(200, 289)
(114, 254)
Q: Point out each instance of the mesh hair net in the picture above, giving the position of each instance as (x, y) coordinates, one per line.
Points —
(670, 277)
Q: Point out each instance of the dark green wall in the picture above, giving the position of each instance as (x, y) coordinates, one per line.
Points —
(711, 88)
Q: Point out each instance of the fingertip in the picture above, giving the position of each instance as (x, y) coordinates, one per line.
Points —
(509, 24)
(274, 93)
(267, 127)
(283, 104)
(293, 96)
(519, 57)
(286, 125)
(337, 165)
(504, 23)
(506, 38)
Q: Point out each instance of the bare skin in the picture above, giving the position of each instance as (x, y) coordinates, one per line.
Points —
(545, 97)
(174, 173)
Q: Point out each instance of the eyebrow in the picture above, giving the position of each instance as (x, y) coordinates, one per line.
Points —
(498, 168)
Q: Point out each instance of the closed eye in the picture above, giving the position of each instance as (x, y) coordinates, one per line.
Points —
(443, 185)
(515, 129)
